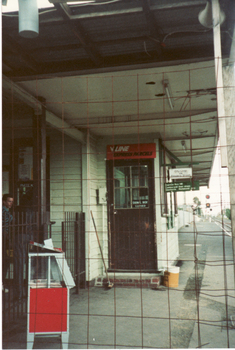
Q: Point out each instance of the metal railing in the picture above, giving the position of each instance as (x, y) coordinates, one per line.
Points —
(73, 244)
(17, 230)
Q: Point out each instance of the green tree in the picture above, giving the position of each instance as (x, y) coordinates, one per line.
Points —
(198, 203)
(228, 213)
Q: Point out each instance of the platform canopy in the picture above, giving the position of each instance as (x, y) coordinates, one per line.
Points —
(109, 64)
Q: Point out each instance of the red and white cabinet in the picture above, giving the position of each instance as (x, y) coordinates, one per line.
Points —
(49, 284)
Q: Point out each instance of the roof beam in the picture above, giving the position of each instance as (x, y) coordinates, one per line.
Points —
(12, 45)
(153, 27)
(11, 88)
(108, 69)
(160, 117)
(137, 9)
(197, 154)
(188, 138)
(79, 32)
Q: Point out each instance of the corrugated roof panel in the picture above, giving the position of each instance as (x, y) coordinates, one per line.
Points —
(62, 54)
(124, 48)
(116, 27)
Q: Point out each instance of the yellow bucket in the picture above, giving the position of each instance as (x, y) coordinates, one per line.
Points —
(171, 276)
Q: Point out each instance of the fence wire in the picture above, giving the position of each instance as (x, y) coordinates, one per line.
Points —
(161, 273)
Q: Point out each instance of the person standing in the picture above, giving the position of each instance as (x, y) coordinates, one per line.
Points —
(7, 203)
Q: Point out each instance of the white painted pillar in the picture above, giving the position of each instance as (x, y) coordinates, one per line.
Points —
(86, 201)
(158, 228)
(229, 96)
(219, 82)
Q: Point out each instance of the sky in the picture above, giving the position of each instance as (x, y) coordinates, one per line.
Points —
(12, 5)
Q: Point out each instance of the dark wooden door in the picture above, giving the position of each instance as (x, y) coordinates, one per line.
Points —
(131, 214)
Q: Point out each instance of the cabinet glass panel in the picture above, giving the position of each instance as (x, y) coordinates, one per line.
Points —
(39, 277)
(56, 276)
(39, 271)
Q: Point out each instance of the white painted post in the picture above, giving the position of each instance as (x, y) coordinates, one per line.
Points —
(158, 229)
(86, 201)
(219, 82)
(229, 96)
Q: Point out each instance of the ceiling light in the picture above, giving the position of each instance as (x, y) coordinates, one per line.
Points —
(206, 19)
(168, 92)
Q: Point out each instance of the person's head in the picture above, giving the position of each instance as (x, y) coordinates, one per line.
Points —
(7, 200)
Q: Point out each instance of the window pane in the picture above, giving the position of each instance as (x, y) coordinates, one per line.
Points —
(140, 197)
(122, 176)
(139, 175)
(122, 198)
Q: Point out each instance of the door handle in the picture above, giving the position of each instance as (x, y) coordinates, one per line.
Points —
(115, 212)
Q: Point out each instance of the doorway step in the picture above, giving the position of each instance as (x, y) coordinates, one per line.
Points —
(135, 279)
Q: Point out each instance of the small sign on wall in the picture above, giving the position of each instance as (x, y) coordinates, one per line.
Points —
(182, 186)
(180, 173)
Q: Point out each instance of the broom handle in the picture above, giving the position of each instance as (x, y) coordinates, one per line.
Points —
(99, 246)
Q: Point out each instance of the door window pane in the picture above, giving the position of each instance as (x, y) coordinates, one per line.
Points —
(140, 197)
(122, 176)
(131, 187)
(122, 198)
(139, 175)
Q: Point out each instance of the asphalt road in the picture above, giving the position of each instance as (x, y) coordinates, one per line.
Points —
(208, 274)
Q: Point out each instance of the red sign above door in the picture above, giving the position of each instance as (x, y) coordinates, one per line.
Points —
(136, 151)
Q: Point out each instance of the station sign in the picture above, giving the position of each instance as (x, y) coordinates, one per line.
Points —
(132, 151)
(180, 173)
(182, 186)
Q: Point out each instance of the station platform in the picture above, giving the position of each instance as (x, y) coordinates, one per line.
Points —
(198, 313)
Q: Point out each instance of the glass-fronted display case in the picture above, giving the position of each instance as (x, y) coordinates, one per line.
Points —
(49, 283)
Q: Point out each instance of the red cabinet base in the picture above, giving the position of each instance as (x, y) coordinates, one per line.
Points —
(48, 310)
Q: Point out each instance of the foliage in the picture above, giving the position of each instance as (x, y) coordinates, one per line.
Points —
(198, 203)
(228, 213)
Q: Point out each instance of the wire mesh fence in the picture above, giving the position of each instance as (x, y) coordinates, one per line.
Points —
(168, 250)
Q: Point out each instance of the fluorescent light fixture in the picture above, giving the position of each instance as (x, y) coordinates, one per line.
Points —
(168, 92)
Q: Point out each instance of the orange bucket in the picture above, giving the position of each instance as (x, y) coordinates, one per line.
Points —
(171, 276)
